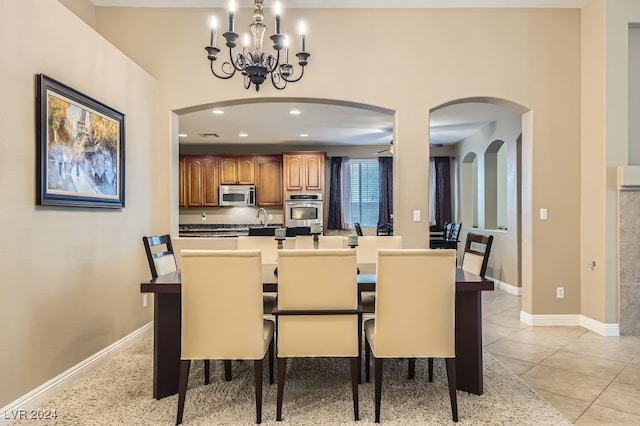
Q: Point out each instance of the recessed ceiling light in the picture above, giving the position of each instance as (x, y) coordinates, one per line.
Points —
(182, 135)
(294, 111)
(243, 134)
(304, 135)
(218, 111)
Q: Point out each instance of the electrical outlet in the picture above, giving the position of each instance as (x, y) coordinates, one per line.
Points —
(204, 215)
(144, 301)
(416, 215)
(560, 292)
(270, 217)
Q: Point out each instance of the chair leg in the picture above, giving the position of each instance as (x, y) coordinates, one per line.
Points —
(271, 355)
(378, 392)
(367, 356)
(282, 367)
(257, 370)
(206, 371)
(451, 377)
(430, 368)
(227, 370)
(412, 369)
(185, 365)
(355, 378)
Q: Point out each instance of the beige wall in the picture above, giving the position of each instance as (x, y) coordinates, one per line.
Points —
(84, 9)
(528, 57)
(593, 173)
(69, 276)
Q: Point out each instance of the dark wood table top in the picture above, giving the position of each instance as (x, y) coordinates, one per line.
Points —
(171, 282)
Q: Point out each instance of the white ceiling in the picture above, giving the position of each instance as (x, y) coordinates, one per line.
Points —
(366, 4)
(329, 124)
(324, 123)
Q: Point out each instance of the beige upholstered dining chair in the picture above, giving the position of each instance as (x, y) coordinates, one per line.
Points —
(222, 314)
(367, 252)
(269, 248)
(317, 313)
(415, 313)
(325, 242)
(476, 253)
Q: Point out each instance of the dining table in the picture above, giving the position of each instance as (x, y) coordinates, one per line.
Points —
(168, 317)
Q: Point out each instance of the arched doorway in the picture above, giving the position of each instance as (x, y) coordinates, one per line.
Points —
(490, 179)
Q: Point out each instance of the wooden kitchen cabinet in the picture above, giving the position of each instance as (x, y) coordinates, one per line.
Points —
(304, 171)
(237, 170)
(200, 177)
(182, 189)
(269, 180)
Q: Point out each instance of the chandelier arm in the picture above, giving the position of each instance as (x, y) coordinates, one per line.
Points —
(227, 75)
(275, 81)
(240, 63)
(275, 64)
(291, 80)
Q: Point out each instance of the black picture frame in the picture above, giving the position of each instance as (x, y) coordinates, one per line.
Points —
(80, 148)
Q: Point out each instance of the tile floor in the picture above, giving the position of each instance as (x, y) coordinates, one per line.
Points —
(590, 379)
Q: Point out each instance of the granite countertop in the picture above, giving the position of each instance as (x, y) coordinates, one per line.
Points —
(220, 230)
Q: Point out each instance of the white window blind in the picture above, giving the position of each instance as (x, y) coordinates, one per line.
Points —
(363, 191)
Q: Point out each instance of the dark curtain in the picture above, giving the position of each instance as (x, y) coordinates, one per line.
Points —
(334, 221)
(443, 190)
(385, 170)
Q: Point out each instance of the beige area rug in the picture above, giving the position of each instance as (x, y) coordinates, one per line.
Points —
(317, 392)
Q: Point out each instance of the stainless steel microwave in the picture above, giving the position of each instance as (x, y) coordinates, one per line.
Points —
(237, 195)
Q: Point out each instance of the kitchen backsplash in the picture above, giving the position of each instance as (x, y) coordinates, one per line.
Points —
(228, 215)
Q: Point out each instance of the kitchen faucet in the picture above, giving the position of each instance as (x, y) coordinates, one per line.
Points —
(265, 216)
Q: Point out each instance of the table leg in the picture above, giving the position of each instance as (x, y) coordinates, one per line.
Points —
(166, 344)
(469, 341)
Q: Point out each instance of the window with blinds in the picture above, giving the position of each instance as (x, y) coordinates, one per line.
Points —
(364, 192)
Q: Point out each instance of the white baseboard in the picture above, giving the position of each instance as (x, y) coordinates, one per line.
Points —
(509, 288)
(570, 320)
(48, 390)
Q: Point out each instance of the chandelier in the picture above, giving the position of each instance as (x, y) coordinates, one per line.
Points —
(253, 63)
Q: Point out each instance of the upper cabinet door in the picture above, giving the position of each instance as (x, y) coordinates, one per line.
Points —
(228, 171)
(210, 182)
(269, 180)
(314, 172)
(294, 172)
(246, 171)
(194, 182)
(182, 184)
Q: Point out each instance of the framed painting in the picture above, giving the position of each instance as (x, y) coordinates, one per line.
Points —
(80, 149)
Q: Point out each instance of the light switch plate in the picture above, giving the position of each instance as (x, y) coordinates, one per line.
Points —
(543, 214)
(416, 215)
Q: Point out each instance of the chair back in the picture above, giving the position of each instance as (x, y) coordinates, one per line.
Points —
(325, 242)
(367, 249)
(415, 303)
(319, 290)
(476, 253)
(159, 254)
(384, 229)
(222, 304)
(358, 229)
(267, 245)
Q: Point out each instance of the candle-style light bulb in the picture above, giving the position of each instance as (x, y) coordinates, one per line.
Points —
(214, 31)
(232, 11)
(276, 12)
(286, 49)
(302, 30)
